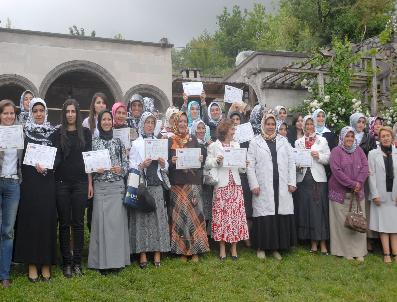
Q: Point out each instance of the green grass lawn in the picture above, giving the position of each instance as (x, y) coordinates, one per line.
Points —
(300, 276)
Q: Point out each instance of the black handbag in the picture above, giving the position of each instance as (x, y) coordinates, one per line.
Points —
(137, 196)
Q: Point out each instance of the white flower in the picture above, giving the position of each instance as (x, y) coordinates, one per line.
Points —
(309, 89)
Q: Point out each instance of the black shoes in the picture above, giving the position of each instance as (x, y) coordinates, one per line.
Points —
(67, 271)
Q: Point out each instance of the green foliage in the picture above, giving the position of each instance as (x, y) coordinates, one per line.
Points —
(297, 25)
(339, 101)
(75, 31)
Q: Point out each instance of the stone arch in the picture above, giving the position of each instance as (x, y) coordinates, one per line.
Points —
(81, 65)
(15, 79)
(12, 86)
(161, 99)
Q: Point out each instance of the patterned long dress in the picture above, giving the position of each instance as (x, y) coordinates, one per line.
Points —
(229, 222)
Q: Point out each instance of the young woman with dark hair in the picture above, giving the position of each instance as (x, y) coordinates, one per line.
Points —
(99, 102)
(73, 185)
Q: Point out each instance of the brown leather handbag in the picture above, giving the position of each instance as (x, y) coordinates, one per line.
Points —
(355, 219)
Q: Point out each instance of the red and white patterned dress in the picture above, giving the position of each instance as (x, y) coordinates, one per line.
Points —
(229, 222)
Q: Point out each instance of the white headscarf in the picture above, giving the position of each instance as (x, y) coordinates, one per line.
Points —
(38, 132)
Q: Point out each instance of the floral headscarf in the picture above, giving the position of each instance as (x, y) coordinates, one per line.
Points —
(148, 104)
(310, 138)
(342, 135)
(23, 115)
(354, 118)
(115, 107)
(212, 121)
(256, 118)
(264, 119)
(189, 116)
(38, 132)
(372, 121)
(141, 124)
(320, 130)
(179, 140)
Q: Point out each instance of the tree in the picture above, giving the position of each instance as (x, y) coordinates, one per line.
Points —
(74, 31)
(118, 36)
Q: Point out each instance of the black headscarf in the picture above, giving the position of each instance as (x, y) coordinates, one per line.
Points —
(105, 135)
(388, 159)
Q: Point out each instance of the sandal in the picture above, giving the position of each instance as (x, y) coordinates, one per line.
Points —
(157, 263)
(143, 265)
(385, 259)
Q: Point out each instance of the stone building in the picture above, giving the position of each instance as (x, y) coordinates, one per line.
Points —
(58, 66)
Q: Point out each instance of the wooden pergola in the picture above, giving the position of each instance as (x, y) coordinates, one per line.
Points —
(382, 60)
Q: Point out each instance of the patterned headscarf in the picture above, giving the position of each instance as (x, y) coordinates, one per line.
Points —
(190, 120)
(168, 114)
(212, 121)
(179, 140)
(320, 130)
(277, 110)
(23, 115)
(371, 122)
(256, 118)
(141, 125)
(310, 138)
(115, 107)
(38, 132)
(342, 135)
(264, 119)
(134, 120)
(354, 118)
(193, 130)
(148, 104)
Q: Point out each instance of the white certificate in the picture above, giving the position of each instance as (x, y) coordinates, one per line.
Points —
(157, 129)
(233, 94)
(39, 154)
(234, 157)
(303, 158)
(11, 137)
(95, 160)
(156, 148)
(124, 134)
(193, 88)
(244, 133)
(188, 158)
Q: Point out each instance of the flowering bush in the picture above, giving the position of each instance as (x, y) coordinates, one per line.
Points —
(390, 114)
(339, 101)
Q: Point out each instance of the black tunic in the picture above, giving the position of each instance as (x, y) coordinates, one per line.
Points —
(274, 232)
(36, 236)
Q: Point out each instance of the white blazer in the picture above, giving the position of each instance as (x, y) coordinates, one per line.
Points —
(260, 175)
(377, 175)
(317, 169)
(137, 156)
(214, 150)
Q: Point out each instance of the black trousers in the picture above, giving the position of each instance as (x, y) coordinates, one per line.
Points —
(71, 204)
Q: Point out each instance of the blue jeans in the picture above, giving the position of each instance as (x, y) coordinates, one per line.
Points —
(9, 200)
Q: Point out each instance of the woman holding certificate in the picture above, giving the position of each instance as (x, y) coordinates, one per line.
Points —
(272, 179)
(119, 112)
(10, 177)
(349, 168)
(36, 238)
(311, 210)
(149, 232)
(187, 225)
(109, 248)
(73, 186)
(212, 118)
(135, 110)
(229, 223)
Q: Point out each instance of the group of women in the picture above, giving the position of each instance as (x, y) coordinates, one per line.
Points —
(270, 203)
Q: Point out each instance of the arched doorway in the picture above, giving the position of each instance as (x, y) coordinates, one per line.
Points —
(161, 101)
(12, 86)
(79, 80)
